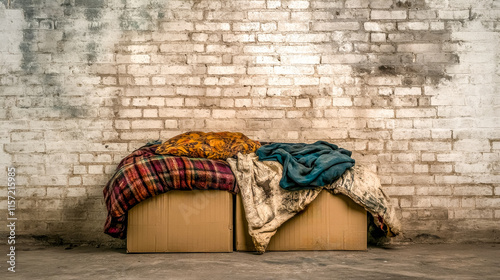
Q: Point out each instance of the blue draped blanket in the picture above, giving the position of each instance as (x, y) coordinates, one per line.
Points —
(307, 165)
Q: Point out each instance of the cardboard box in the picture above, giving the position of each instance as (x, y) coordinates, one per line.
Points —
(182, 221)
(330, 222)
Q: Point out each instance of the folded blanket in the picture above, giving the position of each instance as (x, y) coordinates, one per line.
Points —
(307, 165)
(144, 174)
(267, 205)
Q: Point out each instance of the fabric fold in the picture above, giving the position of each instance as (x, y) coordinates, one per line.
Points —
(363, 187)
(267, 205)
(307, 165)
(144, 174)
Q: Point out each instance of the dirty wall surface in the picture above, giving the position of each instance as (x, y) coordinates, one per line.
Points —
(411, 87)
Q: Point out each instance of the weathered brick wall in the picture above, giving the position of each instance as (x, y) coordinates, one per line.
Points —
(410, 86)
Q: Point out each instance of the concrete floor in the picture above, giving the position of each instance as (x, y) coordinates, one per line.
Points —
(417, 261)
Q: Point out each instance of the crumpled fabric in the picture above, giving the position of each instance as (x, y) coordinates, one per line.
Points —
(364, 188)
(307, 165)
(211, 145)
(144, 174)
(267, 206)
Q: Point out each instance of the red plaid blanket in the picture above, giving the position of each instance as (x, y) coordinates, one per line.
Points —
(144, 174)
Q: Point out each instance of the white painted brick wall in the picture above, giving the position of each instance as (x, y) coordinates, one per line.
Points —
(412, 90)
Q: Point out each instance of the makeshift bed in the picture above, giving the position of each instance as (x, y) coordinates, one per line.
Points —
(276, 181)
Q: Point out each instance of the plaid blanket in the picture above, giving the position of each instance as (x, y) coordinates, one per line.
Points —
(144, 174)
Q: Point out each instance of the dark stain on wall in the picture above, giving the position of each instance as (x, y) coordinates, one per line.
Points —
(91, 3)
(142, 18)
(417, 67)
(28, 63)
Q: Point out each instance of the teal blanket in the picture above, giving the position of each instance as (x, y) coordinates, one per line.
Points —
(307, 165)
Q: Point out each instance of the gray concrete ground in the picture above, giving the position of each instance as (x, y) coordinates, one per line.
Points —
(417, 261)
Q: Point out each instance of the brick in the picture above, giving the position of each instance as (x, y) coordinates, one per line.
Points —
(258, 49)
(345, 58)
(333, 26)
(416, 113)
(54, 180)
(419, 26)
(182, 48)
(295, 5)
(434, 191)
(454, 100)
(225, 70)
(191, 91)
(242, 102)
(367, 113)
(253, 81)
(147, 124)
(306, 38)
(233, 124)
(487, 202)
(304, 81)
(268, 16)
(300, 59)
(422, 14)
(473, 214)
(136, 135)
(268, 27)
(326, 4)
(280, 81)
(223, 114)
(238, 38)
(293, 26)
(446, 14)
(430, 146)
(130, 113)
(357, 3)
(183, 113)
(378, 37)
(230, 16)
(388, 15)
(246, 26)
(379, 26)
(178, 26)
(261, 114)
(174, 102)
(441, 134)
(271, 38)
(472, 145)
(472, 168)
(419, 48)
(236, 92)
(95, 169)
(342, 101)
(267, 60)
(408, 91)
(191, 102)
(384, 81)
(101, 158)
(333, 69)
(294, 70)
(473, 190)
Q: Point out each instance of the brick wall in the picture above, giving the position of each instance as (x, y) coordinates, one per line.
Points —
(411, 87)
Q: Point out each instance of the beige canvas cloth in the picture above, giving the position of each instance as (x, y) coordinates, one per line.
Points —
(267, 206)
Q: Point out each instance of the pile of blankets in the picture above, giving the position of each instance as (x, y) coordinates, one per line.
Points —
(268, 204)
(144, 174)
(276, 182)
